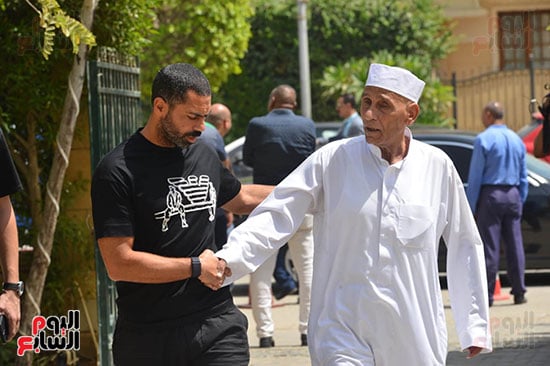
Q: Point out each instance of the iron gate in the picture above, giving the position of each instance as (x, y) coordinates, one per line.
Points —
(115, 113)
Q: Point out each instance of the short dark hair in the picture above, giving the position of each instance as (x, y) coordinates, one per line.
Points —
(173, 82)
(283, 95)
(349, 98)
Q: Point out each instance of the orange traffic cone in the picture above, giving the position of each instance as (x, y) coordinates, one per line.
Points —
(497, 294)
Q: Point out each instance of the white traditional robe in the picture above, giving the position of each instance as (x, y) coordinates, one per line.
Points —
(376, 296)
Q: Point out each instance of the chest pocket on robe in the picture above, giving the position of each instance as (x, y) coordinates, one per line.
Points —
(415, 226)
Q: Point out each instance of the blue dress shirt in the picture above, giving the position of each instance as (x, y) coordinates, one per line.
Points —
(498, 159)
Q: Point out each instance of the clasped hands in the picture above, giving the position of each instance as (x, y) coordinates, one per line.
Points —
(214, 270)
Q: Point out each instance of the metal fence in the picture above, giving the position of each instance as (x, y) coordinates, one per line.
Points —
(115, 113)
(512, 88)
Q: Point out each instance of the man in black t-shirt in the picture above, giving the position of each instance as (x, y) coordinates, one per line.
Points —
(154, 199)
(12, 288)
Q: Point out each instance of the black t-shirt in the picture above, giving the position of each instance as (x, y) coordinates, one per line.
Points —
(166, 199)
(9, 183)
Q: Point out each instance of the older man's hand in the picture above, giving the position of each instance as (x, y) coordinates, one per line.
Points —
(213, 270)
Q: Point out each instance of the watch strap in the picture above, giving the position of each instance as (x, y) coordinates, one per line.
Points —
(195, 267)
(13, 286)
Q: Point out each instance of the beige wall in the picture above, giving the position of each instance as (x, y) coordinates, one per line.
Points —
(511, 88)
(79, 162)
(476, 53)
(81, 208)
(472, 55)
(475, 27)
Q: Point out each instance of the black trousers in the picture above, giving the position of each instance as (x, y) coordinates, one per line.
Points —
(216, 341)
(499, 220)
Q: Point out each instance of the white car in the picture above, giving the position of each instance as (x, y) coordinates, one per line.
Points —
(234, 149)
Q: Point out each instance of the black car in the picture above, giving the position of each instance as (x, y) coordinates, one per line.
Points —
(459, 146)
(536, 210)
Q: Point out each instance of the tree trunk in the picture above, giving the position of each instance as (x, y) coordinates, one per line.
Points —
(30, 306)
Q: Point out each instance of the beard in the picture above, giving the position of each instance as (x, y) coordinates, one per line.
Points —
(170, 134)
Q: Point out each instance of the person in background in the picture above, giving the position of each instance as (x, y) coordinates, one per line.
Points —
(153, 201)
(497, 189)
(539, 145)
(12, 288)
(352, 125)
(274, 146)
(218, 123)
(376, 296)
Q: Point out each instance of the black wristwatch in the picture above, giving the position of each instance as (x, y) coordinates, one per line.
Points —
(195, 267)
(18, 287)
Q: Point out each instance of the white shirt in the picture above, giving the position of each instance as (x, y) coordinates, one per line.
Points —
(376, 295)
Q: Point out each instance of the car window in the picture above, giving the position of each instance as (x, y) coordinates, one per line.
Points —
(327, 129)
(240, 170)
(460, 155)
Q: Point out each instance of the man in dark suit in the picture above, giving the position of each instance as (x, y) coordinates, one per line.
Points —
(275, 145)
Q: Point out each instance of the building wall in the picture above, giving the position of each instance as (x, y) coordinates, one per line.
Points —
(477, 55)
(79, 164)
(472, 55)
(81, 209)
(512, 88)
(475, 27)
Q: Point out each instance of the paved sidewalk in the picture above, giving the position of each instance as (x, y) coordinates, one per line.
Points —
(521, 333)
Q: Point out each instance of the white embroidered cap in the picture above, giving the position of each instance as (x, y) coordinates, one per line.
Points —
(397, 80)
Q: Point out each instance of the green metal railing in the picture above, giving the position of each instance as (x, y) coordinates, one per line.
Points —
(115, 113)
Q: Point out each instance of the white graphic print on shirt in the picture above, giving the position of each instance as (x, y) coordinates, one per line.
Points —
(198, 194)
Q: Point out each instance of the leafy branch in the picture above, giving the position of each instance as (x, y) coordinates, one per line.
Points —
(52, 17)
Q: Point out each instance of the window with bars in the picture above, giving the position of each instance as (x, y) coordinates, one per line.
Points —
(522, 35)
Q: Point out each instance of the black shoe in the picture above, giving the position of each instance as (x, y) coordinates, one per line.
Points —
(279, 292)
(267, 342)
(520, 299)
(304, 339)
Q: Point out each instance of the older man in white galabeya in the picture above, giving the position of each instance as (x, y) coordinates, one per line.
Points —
(381, 203)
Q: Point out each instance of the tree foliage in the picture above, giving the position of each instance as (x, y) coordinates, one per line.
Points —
(32, 95)
(210, 34)
(126, 25)
(350, 78)
(52, 17)
(339, 31)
